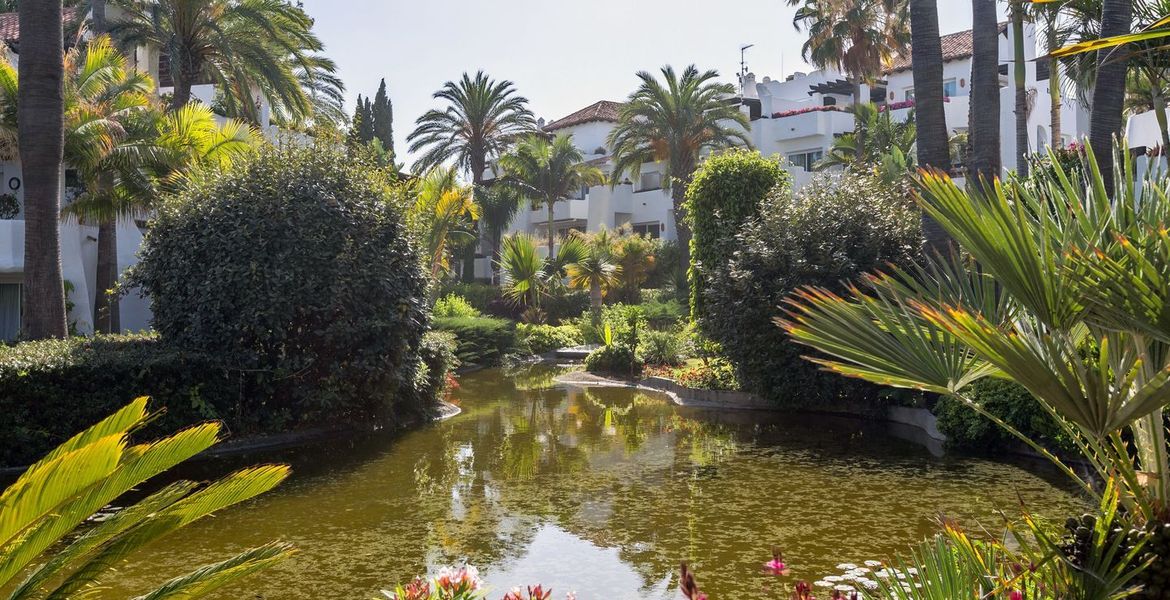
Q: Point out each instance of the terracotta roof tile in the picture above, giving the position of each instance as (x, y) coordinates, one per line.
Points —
(10, 24)
(598, 111)
(955, 46)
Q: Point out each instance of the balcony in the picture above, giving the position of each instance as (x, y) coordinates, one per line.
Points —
(564, 210)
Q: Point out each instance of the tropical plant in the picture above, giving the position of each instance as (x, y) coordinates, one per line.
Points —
(876, 136)
(49, 549)
(635, 256)
(240, 45)
(547, 172)
(40, 114)
(522, 269)
(984, 135)
(1063, 294)
(673, 121)
(929, 116)
(483, 117)
(454, 305)
(498, 205)
(1017, 13)
(444, 214)
(857, 38)
(597, 273)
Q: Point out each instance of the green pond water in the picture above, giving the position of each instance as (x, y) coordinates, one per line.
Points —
(601, 491)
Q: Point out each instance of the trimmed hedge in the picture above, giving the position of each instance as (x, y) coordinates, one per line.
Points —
(538, 339)
(50, 390)
(480, 340)
(970, 431)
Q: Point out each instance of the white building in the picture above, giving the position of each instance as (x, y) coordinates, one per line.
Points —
(798, 119)
(78, 240)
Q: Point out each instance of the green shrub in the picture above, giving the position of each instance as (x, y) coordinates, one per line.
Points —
(437, 353)
(834, 230)
(662, 294)
(968, 430)
(663, 315)
(481, 296)
(714, 374)
(293, 266)
(454, 305)
(565, 305)
(50, 390)
(661, 348)
(725, 193)
(480, 340)
(614, 359)
(538, 339)
(621, 318)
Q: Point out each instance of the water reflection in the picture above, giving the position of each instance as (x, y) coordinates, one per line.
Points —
(602, 491)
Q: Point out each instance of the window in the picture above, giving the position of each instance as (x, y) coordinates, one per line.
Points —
(654, 229)
(9, 311)
(950, 88)
(909, 93)
(806, 160)
(580, 195)
(650, 181)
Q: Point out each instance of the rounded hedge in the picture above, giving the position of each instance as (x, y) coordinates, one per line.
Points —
(833, 230)
(293, 266)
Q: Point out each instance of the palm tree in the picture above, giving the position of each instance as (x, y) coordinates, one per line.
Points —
(1049, 13)
(673, 122)
(929, 116)
(54, 547)
(443, 211)
(1019, 80)
(243, 46)
(882, 135)
(984, 133)
(597, 273)
(41, 126)
(523, 269)
(498, 205)
(482, 118)
(1105, 119)
(547, 172)
(856, 37)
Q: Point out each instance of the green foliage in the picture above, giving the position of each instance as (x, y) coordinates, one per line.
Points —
(485, 298)
(661, 348)
(663, 314)
(879, 143)
(9, 207)
(41, 382)
(538, 339)
(453, 305)
(563, 305)
(968, 430)
(55, 548)
(834, 230)
(712, 374)
(726, 192)
(621, 318)
(614, 359)
(293, 267)
(480, 340)
(437, 353)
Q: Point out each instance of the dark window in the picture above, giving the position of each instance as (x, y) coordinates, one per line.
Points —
(654, 230)
(830, 101)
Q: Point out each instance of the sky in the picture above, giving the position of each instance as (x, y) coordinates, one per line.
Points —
(562, 55)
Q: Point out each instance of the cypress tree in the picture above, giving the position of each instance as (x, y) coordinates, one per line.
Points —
(367, 131)
(382, 117)
(357, 125)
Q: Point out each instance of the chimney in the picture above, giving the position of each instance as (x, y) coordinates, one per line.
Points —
(747, 86)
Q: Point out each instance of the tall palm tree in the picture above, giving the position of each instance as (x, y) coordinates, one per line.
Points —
(856, 37)
(1019, 80)
(548, 172)
(931, 132)
(984, 135)
(673, 122)
(1105, 118)
(1049, 13)
(498, 205)
(41, 134)
(482, 118)
(227, 42)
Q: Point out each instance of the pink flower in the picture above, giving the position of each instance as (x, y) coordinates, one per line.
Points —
(776, 566)
(1016, 595)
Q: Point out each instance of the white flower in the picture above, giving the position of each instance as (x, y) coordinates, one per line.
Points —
(822, 583)
(846, 566)
(873, 563)
(844, 588)
(833, 578)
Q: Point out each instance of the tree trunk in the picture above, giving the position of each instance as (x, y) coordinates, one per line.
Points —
(1158, 99)
(1019, 79)
(929, 114)
(1105, 120)
(678, 193)
(595, 303)
(1054, 96)
(551, 233)
(40, 118)
(187, 74)
(97, 24)
(984, 135)
(106, 313)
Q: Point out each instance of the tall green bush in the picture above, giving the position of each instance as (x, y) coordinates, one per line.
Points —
(725, 193)
(294, 266)
(833, 230)
(480, 340)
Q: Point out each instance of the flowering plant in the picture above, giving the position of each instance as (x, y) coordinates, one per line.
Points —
(463, 583)
(803, 111)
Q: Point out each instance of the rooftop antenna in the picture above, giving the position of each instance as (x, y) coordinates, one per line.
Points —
(743, 59)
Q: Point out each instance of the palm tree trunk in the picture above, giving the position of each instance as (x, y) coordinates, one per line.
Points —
(40, 118)
(985, 106)
(1054, 88)
(187, 74)
(551, 233)
(106, 314)
(97, 24)
(858, 129)
(595, 303)
(1019, 77)
(678, 194)
(1158, 99)
(1105, 120)
(929, 113)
